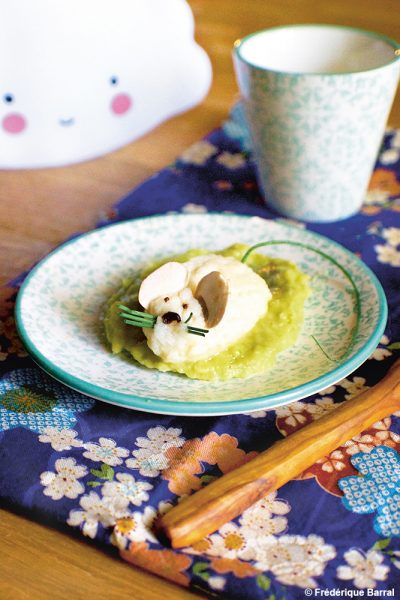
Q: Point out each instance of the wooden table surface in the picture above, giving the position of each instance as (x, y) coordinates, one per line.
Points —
(39, 209)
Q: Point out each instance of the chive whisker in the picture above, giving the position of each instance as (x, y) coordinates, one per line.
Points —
(132, 312)
(136, 317)
(137, 314)
(190, 327)
(189, 317)
(123, 307)
(133, 318)
(192, 331)
(324, 352)
(356, 293)
(141, 318)
(137, 323)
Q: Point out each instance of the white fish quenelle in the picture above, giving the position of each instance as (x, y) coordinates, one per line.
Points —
(247, 300)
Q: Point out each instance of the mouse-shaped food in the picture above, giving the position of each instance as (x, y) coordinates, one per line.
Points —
(210, 316)
(210, 292)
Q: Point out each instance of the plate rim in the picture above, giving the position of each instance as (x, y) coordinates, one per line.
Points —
(214, 408)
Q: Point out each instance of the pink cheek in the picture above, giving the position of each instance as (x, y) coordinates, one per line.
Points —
(14, 123)
(121, 104)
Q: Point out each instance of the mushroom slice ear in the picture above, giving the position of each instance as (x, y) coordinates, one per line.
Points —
(167, 280)
(212, 293)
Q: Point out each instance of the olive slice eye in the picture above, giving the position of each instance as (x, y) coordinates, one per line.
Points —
(171, 317)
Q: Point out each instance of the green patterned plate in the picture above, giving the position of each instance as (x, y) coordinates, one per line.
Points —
(59, 306)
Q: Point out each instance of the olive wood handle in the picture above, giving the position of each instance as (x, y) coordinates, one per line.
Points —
(227, 497)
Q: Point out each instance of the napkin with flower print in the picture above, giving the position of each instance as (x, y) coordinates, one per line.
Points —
(107, 472)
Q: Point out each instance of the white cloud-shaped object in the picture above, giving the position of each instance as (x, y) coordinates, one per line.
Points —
(79, 78)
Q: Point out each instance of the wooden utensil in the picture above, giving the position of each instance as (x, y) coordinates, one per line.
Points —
(227, 497)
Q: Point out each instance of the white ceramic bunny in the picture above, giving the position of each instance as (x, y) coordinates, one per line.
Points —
(81, 78)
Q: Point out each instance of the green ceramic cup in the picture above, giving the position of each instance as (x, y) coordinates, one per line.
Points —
(316, 99)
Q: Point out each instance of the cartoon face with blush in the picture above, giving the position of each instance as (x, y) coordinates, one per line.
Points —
(79, 79)
(12, 122)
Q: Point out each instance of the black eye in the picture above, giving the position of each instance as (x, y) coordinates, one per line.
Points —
(113, 80)
(8, 98)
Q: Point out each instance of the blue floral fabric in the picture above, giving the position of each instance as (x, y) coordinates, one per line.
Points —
(29, 399)
(104, 472)
(378, 490)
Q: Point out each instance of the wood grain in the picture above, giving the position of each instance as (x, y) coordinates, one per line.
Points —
(208, 509)
(38, 563)
(39, 209)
